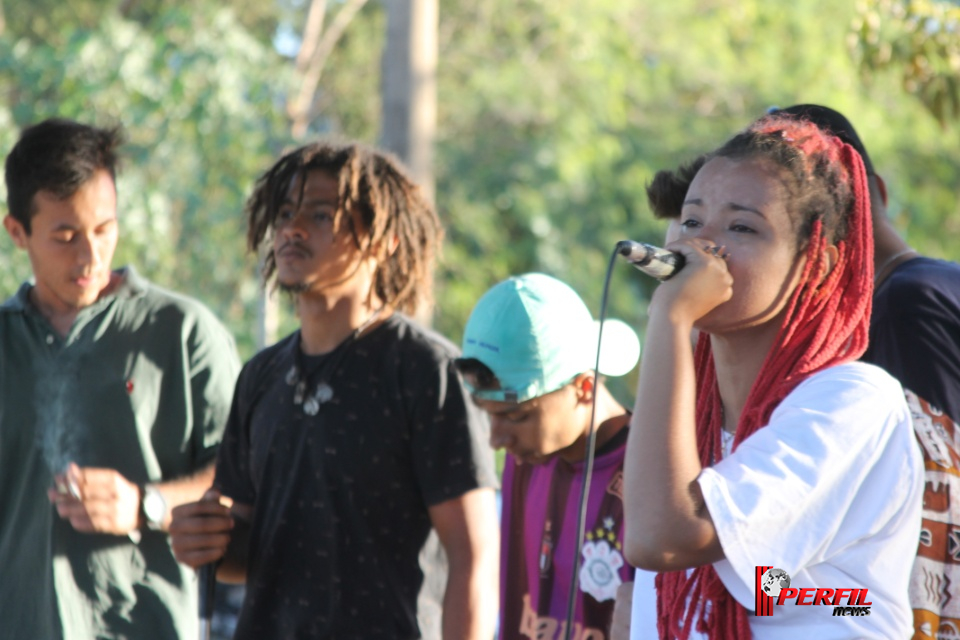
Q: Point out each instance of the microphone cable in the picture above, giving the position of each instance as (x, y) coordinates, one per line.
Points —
(591, 451)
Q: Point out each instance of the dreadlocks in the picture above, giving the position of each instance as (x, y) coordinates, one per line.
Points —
(377, 203)
(825, 323)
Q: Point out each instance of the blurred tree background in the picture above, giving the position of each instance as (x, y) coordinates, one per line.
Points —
(553, 116)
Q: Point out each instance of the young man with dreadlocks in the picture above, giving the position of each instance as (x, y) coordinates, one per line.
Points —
(352, 448)
(769, 445)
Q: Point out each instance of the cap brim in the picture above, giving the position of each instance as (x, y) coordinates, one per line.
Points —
(620, 350)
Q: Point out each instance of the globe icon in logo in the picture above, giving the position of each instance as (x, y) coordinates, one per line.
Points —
(773, 580)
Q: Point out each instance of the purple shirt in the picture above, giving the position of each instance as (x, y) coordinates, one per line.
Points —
(538, 557)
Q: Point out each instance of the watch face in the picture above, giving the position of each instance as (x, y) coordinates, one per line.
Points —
(154, 506)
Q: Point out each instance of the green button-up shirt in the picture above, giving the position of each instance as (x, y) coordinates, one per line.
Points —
(142, 384)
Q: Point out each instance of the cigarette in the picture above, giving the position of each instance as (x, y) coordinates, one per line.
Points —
(68, 487)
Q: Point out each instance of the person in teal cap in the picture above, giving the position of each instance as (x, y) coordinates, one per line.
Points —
(529, 353)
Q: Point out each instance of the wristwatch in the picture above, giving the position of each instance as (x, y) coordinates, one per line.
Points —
(153, 506)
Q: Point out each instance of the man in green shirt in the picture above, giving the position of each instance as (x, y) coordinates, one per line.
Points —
(113, 398)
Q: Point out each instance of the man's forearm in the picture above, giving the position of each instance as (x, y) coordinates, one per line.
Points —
(467, 527)
(469, 606)
(186, 489)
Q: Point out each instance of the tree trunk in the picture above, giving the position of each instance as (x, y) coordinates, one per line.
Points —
(409, 86)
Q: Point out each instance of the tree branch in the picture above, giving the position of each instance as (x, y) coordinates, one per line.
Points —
(311, 33)
(300, 108)
(126, 7)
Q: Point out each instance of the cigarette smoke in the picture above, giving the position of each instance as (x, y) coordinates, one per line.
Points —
(59, 428)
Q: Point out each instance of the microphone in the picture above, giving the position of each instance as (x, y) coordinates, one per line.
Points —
(653, 261)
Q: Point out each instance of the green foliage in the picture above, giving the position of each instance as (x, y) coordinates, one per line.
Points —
(197, 95)
(553, 118)
(920, 39)
(349, 94)
(45, 20)
(555, 115)
(548, 144)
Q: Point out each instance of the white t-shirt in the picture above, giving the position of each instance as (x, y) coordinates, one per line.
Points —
(830, 491)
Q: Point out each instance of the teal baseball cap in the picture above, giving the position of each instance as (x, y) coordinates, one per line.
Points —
(535, 334)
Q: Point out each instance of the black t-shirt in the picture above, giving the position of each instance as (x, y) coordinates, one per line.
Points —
(340, 498)
(915, 330)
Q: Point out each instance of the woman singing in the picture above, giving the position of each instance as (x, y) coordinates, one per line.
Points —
(768, 445)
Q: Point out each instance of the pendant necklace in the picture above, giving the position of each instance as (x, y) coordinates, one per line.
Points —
(298, 378)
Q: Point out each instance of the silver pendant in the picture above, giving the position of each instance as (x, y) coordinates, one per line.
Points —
(298, 392)
(324, 393)
(292, 376)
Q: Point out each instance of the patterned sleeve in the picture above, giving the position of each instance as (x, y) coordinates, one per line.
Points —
(450, 436)
(937, 567)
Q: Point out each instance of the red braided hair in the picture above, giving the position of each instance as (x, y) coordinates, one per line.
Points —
(825, 324)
